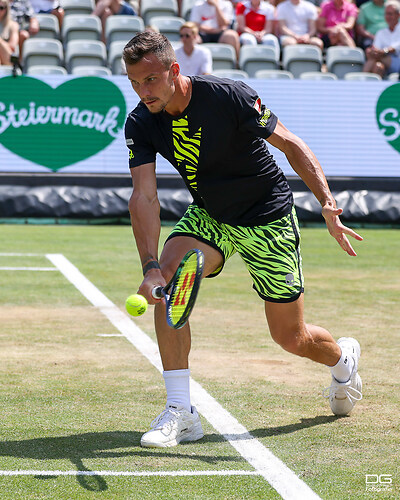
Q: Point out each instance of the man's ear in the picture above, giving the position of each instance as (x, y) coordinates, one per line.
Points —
(175, 70)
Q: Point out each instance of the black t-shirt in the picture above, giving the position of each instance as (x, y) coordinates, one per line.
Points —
(217, 145)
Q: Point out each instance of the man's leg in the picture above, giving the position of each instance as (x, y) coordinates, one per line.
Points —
(288, 329)
(179, 421)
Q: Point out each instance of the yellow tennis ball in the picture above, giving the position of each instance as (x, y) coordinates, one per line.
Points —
(136, 305)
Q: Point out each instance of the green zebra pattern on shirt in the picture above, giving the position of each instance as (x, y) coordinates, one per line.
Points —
(186, 149)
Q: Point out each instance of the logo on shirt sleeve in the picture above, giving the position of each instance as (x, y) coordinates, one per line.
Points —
(265, 114)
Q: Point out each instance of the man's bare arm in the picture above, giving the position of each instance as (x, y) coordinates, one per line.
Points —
(144, 209)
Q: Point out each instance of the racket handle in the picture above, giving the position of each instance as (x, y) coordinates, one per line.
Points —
(157, 292)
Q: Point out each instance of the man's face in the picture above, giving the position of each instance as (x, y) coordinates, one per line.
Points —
(391, 16)
(153, 82)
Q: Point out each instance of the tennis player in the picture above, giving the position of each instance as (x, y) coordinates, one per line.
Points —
(213, 132)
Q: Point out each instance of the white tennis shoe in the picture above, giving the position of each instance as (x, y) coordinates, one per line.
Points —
(344, 395)
(173, 425)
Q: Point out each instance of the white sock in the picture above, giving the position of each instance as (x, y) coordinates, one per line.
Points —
(177, 385)
(344, 367)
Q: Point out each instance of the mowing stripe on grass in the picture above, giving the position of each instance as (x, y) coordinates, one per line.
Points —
(172, 473)
(278, 475)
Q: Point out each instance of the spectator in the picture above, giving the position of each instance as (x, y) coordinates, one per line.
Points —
(383, 57)
(336, 23)
(297, 23)
(49, 7)
(193, 59)
(255, 20)
(22, 12)
(106, 8)
(370, 19)
(8, 33)
(214, 20)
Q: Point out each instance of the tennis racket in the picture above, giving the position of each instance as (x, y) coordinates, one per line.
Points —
(181, 292)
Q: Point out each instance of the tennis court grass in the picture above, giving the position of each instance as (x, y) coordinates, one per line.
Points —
(76, 397)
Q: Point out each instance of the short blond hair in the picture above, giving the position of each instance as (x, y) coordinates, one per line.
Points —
(191, 26)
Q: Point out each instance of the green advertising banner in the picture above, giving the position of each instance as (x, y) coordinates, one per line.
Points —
(388, 115)
(57, 127)
(68, 124)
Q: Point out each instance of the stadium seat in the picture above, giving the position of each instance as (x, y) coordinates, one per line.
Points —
(233, 74)
(49, 26)
(317, 75)
(151, 8)
(91, 71)
(186, 8)
(223, 55)
(114, 57)
(5, 71)
(122, 28)
(168, 26)
(252, 59)
(361, 76)
(343, 60)
(393, 77)
(46, 70)
(77, 6)
(273, 74)
(81, 27)
(42, 51)
(301, 58)
(85, 53)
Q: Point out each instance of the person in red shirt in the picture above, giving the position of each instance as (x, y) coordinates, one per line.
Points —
(255, 20)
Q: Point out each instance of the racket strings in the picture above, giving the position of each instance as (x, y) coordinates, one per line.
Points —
(182, 289)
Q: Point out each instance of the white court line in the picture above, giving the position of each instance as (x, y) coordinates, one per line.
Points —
(28, 269)
(173, 473)
(278, 475)
(8, 254)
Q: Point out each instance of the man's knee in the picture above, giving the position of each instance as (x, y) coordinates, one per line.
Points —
(294, 340)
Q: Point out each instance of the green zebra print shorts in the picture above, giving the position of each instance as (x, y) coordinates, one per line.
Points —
(271, 252)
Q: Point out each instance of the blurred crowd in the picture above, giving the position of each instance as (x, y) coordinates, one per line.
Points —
(372, 25)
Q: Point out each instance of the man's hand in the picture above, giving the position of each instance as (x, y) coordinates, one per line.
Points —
(152, 279)
(338, 230)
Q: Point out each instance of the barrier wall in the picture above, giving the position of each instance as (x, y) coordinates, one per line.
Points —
(66, 124)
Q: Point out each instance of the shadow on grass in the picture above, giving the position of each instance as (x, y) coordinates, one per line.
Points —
(304, 423)
(93, 445)
(116, 444)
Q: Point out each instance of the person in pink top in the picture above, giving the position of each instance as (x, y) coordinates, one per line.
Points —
(336, 23)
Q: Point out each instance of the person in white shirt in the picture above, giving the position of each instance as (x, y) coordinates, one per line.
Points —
(383, 57)
(214, 20)
(297, 23)
(193, 59)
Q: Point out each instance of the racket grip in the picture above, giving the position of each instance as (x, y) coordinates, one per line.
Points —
(157, 292)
